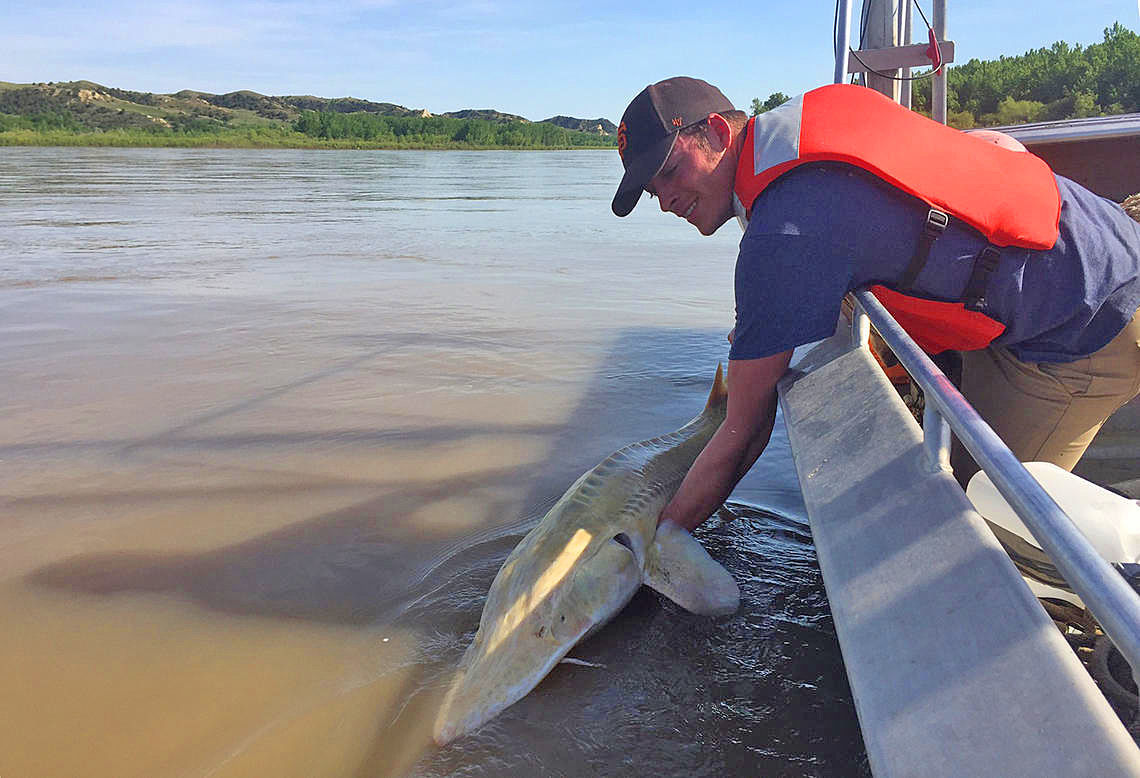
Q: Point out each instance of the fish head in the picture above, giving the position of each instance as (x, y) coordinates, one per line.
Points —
(532, 618)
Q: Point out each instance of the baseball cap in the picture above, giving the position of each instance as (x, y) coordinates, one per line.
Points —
(649, 129)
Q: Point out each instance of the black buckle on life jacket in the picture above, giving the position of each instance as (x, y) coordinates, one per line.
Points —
(974, 298)
(936, 223)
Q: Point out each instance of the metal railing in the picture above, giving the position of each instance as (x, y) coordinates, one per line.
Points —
(1104, 591)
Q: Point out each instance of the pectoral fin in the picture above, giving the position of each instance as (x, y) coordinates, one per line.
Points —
(679, 567)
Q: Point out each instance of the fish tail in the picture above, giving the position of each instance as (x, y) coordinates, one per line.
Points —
(718, 395)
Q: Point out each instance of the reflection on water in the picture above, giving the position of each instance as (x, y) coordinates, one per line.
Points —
(272, 420)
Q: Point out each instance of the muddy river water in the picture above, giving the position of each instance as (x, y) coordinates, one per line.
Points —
(271, 420)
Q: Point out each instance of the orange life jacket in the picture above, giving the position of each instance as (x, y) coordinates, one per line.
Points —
(1011, 197)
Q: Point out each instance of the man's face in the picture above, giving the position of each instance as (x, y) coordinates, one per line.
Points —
(694, 185)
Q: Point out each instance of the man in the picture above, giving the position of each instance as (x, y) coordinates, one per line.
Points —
(972, 246)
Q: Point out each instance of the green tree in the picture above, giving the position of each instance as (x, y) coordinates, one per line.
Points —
(439, 131)
(774, 100)
(1057, 82)
(961, 120)
(1010, 111)
(1118, 79)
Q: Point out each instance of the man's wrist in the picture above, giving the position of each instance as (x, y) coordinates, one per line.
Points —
(677, 521)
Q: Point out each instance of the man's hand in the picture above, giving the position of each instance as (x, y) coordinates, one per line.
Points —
(735, 446)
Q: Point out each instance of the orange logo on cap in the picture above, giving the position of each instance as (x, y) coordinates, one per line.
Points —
(622, 141)
(677, 121)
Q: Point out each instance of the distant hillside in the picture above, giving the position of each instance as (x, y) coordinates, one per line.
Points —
(86, 104)
(100, 107)
(86, 99)
(486, 114)
(86, 112)
(597, 126)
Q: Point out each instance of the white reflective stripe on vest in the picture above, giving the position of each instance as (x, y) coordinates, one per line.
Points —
(775, 140)
(776, 135)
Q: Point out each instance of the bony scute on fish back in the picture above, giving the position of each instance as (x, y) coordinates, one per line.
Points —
(579, 567)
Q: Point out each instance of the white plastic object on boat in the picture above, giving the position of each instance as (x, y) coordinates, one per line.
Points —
(1110, 522)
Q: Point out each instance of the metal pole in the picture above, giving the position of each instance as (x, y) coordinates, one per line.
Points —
(935, 438)
(860, 327)
(882, 33)
(904, 38)
(938, 85)
(843, 41)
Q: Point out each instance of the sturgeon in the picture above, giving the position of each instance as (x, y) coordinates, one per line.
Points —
(581, 564)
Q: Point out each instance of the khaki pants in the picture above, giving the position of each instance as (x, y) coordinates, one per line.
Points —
(1049, 411)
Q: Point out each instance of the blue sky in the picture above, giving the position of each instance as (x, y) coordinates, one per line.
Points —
(535, 59)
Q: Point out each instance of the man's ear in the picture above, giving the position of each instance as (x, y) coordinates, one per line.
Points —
(719, 132)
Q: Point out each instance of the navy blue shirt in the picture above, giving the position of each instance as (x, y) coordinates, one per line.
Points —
(824, 229)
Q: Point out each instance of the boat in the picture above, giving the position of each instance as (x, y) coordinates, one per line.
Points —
(955, 666)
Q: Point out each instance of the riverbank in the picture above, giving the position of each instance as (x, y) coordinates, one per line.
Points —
(248, 138)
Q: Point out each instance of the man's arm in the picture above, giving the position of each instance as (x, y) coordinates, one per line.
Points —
(736, 444)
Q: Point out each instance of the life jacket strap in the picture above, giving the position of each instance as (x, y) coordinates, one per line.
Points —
(974, 298)
(936, 223)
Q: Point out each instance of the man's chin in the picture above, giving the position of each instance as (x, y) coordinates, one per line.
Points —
(709, 229)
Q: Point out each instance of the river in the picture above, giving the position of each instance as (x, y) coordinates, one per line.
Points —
(273, 419)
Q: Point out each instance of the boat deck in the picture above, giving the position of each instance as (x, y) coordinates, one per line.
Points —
(954, 666)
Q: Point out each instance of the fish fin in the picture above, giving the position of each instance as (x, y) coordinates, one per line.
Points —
(677, 566)
(566, 660)
(718, 395)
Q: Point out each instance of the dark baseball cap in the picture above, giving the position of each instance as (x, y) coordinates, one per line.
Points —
(649, 129)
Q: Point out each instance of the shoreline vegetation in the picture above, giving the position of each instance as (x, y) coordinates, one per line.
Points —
(252, 138)
(310, 130)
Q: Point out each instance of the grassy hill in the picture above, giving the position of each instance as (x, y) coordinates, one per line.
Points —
(595, 126)
(86, 113)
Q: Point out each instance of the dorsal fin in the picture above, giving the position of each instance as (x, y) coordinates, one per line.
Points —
(718, 395)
